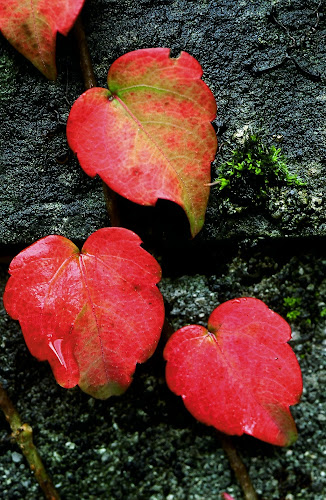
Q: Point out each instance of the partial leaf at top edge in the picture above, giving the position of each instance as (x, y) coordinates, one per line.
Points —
(31, 27)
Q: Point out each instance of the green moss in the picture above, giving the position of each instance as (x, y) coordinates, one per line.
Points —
(252, 170)
(291, 305)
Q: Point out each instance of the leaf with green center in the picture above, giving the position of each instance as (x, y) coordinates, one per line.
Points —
(240, 375)
(150, 135)
(92, 314)
(31, 27)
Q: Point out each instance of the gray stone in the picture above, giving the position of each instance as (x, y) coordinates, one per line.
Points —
(266, 77)
(144, 444)
(235, 43)
(16, 457)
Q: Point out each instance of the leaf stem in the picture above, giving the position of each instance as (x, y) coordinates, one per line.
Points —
(84, 55)
(238, 467)
(23, 435)
(111, 199)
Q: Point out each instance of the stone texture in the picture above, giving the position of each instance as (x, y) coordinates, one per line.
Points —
(235, 42)
(144, 445)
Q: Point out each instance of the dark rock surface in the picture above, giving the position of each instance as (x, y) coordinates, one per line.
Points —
(144, 444)
(265, 63)
(236, 43)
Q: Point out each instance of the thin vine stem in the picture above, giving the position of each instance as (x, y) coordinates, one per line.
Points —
(84, 55)
(238, 467)
(23, 435)
(86, 66)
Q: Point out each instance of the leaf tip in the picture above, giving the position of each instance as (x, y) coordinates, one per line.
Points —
(226, 496)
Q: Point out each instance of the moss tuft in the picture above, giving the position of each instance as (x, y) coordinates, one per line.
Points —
(252, 170)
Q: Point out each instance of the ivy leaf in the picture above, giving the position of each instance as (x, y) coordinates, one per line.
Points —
(240, 375)
(92, 314)
(31, 27)
(149, 136)
(226, 496)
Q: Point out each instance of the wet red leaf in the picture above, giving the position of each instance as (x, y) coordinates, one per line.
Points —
(240, 375)
(92, 314)
(150, 135)
(31, 27)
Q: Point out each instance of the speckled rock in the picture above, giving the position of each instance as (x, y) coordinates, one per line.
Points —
(265, 63)
(144, 444)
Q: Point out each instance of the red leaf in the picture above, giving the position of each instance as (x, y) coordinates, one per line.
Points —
(31, 27)
(240, 375)
(92, 314)
(149, 136)
(226, 496)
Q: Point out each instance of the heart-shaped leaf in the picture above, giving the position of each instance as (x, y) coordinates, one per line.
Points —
(92, 314)
(240, 375)
(150, 135)
(31, 27)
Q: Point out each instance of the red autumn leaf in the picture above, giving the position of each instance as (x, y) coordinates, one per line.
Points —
(226, 496)
(92, 314)
(240, 375)
(149, 136)
(31, 27)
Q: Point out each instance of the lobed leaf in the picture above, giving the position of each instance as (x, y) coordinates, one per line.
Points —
(240, 375)
(92, 314)
(150, 135)
(31, 27)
